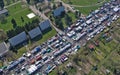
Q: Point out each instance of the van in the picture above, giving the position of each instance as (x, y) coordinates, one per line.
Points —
(38, 62)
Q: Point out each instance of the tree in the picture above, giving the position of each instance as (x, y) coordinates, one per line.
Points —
(35, 2)
(3, 18)
(69, 1)
(59, 23)
(19, 29)
(61, 4)
(28, 1)
(68, 20)
(1, 4)
(3, 36)
(51, 18)
(8, 2)
(77, 14)
(22, 19)
(14, 23)
(40, 9)
(54, 6)
(13, 1)
(11, 33)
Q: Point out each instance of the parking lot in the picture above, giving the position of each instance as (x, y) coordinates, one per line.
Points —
(52, 53)
(43, 58)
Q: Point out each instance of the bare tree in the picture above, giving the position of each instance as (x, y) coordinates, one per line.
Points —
(3, 36)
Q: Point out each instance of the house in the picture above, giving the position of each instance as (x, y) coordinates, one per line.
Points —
(4, 11)
(45, 26)
(3, 48)
(35, 33)
(18, 39)
(58, 11)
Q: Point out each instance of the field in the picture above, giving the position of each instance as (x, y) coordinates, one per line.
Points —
(85, 6)
(82, 2)
(16, 11)
(8, 2)
(72, 15)
(103, 60)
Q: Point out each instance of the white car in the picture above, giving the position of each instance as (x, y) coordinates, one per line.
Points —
(98, 32)
(92, 36)
(88, 38)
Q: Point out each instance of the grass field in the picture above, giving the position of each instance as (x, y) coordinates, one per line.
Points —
(16, 11)
(85, 10)
(10, 1)
(82, 2)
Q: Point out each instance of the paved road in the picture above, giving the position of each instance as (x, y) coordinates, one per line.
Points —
(33, 8)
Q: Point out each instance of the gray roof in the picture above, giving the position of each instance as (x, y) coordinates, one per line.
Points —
(14, 41)
(34, 32)
(44, 25)
(58, 11)
(3, 11)
(3, 48)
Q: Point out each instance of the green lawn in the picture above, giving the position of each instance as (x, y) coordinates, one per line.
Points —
(16, 11)
(85, 10)
(10, 1)
(82, 2)
(72, 15)
(47, 36)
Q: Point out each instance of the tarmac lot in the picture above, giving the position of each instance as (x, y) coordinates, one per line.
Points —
(44, 58)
